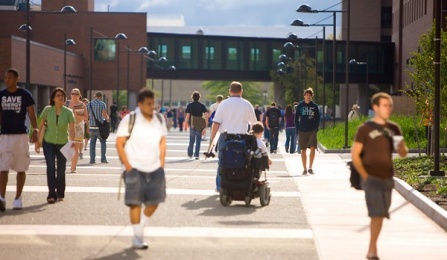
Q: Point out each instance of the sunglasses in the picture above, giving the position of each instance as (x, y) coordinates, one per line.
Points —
(75, 94)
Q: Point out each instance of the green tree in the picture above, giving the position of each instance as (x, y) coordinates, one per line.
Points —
(252, 90)
(422, 73)
(122, 98)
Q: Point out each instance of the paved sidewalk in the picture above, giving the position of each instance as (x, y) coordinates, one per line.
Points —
(338, 217)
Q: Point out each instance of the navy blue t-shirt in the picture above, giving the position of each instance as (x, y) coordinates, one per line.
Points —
(307, 116)
(13, 108)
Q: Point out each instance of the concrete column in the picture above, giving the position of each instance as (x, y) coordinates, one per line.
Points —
(278, 94)
(132, 100)
(352, 99)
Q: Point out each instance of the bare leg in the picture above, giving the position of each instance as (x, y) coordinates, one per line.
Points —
(304, 158)
(85, 143)
(375, 228)
(3, 182)
(135, 212)
(311, 157)
(149, 210)
(74, 160)
(81, 146)
(21, 177)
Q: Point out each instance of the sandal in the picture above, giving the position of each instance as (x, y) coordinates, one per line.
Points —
(72, 171)
(372, 258)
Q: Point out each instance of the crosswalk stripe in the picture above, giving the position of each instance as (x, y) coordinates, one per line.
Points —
(178, 158)
(190, 232)
(79, 189)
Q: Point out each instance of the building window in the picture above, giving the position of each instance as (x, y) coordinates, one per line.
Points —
(386, 17)
(232, 54)
(186, 52)
(162, 50)
(209, 53)
(254, 55)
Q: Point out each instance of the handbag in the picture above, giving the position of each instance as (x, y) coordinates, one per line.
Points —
(198, 122)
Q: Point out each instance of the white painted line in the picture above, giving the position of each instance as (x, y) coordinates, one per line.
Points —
(168, 158)
(79, 189)
(189, 232)
(97, 167)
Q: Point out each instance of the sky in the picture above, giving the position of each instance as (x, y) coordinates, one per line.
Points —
(246, 13)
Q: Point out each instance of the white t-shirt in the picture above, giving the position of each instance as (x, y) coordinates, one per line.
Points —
(234, 115)
(261, 145)
(213, 107)
(142, 148)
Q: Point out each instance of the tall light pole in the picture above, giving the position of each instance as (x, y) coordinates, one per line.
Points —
(172, 68)
(120, 36)
(66, 42)
(348, 33)
(27, 28)
(152, 56)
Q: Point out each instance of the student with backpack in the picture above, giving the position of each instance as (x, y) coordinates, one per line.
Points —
(273, 116)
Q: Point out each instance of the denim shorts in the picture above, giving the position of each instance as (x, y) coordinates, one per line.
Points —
(147, 188)
(378, 196)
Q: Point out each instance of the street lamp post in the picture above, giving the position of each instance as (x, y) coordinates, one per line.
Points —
(152, 56)
(173, 68)
(27, 29)
(363, 106)
(265, 97)
(120, 36)
(66, 42)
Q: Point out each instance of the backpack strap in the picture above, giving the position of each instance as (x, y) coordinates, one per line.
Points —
(159, 117)
(131, 122)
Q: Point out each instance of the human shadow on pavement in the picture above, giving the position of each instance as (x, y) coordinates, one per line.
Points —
(181, 161)
(391, 211)
(24, 210)
(128, 253)
(211, 207)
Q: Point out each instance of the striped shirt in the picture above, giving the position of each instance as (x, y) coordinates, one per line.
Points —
(96, 106)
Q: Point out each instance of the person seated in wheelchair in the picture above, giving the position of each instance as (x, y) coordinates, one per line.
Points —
(261, 157)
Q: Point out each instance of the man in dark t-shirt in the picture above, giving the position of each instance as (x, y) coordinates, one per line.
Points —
(372, 157)
(113, 117)
(14, 148)
(272, 121)
(194, 111)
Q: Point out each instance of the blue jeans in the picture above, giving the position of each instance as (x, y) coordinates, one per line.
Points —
(195, 135)
(94, 135)
(290, 139)
(274, 132)
(220, 145)
(55, 177)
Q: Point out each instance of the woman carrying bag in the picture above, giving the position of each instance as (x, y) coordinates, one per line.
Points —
(59, 121)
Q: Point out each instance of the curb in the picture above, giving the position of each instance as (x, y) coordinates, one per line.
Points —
(428, 207)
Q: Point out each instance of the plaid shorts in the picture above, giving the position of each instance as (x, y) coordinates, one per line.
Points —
(378, 196)
(147, 188)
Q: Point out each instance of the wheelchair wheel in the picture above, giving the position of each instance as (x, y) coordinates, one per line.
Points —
(264, 194)
(225, 200)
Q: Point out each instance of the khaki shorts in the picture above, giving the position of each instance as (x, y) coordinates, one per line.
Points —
(14, 153)
(307, 139)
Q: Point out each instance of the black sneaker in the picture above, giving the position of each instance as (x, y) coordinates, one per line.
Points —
(2, 204)
(310, 171)
(105, 161)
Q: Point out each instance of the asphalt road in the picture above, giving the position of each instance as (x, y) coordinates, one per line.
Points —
(91, 223)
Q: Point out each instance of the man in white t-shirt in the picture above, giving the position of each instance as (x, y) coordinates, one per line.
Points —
(235, 116)
(142, 151)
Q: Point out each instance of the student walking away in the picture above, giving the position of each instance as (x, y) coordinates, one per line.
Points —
(289, 117)
(14, 152)
(113, 117)
(197, 118)
(354, 113)
(266, 131)
(81, 116)
(273, 117)
(97, 108)
(141, 147)
(181, 118)
(60, 127)
(169, 120)
(213, 108)
(307, 120)
(86, 128)
(235, 115)
(372, 157)
(258, 113)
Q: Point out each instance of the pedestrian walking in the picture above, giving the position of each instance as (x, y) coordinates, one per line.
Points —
(197, 118)
(142, 151)
(86, 127)
(16, 102)
(212, 111)
(272, 123)
(307, 120)
(235, 115)
(289, 118)
(181, 118)
(124, 112)
(81, 116)
(372, 157)
(354, 113)
(97, 108)
(60, 127)
(113, 117)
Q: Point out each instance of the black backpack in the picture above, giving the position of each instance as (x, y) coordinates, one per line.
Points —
(273, 117)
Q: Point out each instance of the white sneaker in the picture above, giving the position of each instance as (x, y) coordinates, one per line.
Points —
(17, 204)
(2, 204)
(138, 243)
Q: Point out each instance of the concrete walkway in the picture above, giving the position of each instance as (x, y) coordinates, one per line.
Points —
(338, 217)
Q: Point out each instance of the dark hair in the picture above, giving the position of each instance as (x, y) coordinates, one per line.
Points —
(195, 96)
(53, 95)
(310, 91)
(143, 94)
(288, 110)
(257, 128)
(13, 71)
(375, 100)
(98, 94)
